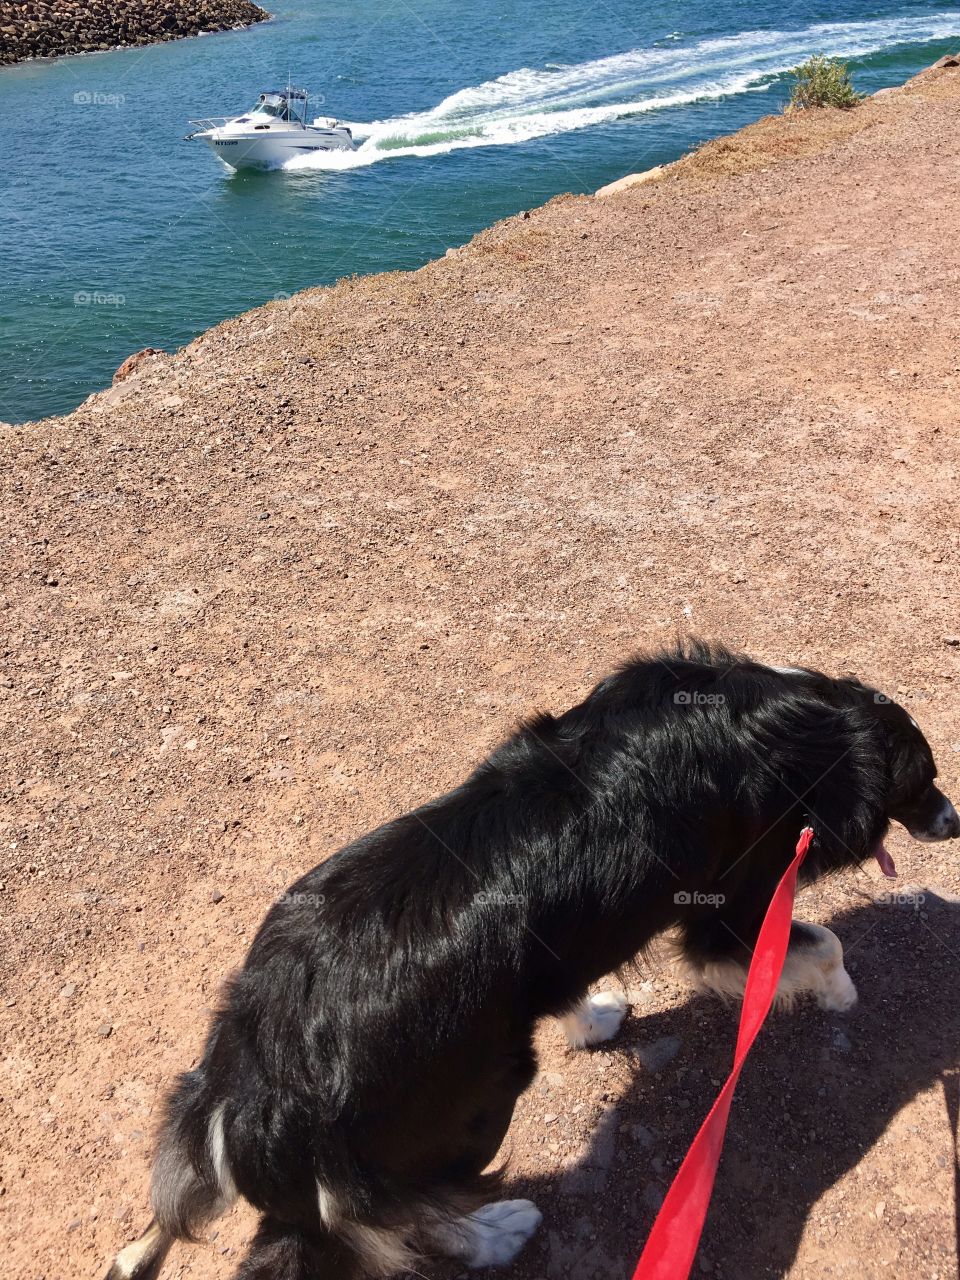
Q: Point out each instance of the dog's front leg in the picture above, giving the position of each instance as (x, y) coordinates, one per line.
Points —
(595, 1019)
(814, 965)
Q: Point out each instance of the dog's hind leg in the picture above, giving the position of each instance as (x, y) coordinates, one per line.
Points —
(183, 1203)
(286, 1251)
(142, 1259)
(595, 1019)
(186, 1193)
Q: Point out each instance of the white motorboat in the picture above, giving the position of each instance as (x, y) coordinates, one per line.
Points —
(272, 132)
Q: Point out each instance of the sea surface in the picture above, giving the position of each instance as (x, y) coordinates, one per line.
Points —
(116, 233)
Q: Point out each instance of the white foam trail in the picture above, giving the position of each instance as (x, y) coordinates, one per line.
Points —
(528, 103)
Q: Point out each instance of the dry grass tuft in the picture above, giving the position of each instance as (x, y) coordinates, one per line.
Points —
(935, 83)
(776, 138)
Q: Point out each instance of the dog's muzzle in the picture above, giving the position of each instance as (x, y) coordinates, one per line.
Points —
(935, 819)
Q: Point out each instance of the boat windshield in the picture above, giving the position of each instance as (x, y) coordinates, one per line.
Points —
(273, 104)
(282, 107)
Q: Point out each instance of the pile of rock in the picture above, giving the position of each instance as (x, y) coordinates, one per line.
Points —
(45, 28)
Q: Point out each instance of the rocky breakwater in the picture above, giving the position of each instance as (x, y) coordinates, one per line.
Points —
(47, 28)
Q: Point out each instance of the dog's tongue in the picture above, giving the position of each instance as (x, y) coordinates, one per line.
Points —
(887, 865)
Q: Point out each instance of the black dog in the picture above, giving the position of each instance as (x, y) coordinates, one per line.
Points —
(364, 1068)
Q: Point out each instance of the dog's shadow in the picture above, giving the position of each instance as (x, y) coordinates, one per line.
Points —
(817, 1093)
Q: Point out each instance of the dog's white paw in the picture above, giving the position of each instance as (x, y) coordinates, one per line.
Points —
(838, 993)
(596, 1019)
(495, 1234)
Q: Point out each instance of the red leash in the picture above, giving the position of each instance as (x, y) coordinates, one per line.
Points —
(675, 1235)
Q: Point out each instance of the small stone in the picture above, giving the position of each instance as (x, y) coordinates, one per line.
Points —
(68, 990)
(652, 1196)
(133, 362)
(643, 995)
(105, 1029)
(640, 1133)
(953, 641)
(550, 1117)
(217, 896)
(657, 1055)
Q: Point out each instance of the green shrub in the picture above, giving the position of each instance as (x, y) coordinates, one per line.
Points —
(822, 82)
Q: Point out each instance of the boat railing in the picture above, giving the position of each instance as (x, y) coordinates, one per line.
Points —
(208, 122)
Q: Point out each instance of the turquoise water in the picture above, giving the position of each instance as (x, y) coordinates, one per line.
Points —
(118, 234)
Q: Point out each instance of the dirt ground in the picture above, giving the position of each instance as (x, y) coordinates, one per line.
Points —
(267, 593)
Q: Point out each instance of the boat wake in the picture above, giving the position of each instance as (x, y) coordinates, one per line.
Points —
(528, 104)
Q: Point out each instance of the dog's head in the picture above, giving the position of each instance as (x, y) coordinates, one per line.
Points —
(913, 798)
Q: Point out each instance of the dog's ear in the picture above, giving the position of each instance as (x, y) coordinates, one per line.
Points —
(854, 692)
(903, 750)
(539, 724)
(909, 760)
(834, 763)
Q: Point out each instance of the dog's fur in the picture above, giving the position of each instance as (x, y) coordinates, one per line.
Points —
(365, 1063)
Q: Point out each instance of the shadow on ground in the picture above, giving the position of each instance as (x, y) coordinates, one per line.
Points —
(818, 1092)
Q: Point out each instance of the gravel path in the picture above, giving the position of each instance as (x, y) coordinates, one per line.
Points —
(268, 592)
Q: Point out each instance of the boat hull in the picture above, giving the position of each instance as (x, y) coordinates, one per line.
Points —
(263, 151)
